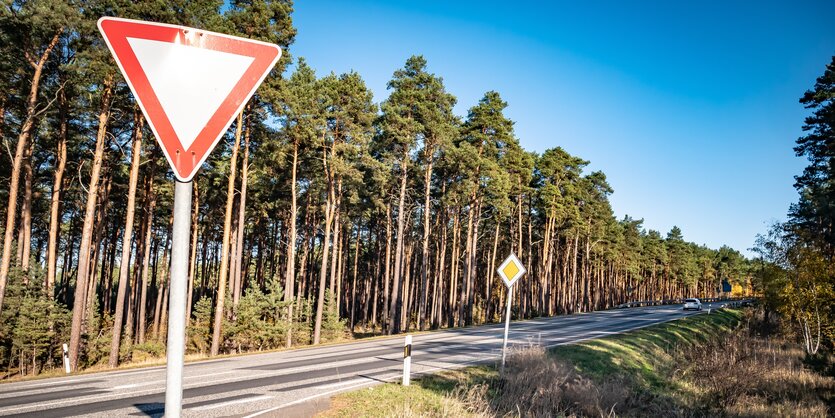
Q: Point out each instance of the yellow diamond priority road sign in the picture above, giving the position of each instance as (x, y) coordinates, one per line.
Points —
(511, 270)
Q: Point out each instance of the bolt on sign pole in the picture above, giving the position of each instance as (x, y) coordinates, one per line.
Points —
(190, 84)
(510, 271)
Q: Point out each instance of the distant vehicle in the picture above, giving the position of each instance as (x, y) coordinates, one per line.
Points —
(693, 304)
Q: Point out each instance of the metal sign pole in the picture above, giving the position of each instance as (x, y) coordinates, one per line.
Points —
(177, 299)
(506, 324)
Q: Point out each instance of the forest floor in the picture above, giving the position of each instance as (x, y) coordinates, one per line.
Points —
(728, 363)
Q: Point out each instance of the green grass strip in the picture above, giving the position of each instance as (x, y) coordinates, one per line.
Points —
(640, 355)
(643, 355)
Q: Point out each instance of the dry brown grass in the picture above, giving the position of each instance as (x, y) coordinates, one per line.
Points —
(727, 364)
(743, 373)
(535, 385)
(751, 373)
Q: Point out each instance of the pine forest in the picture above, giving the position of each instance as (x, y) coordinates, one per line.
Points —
(324, 213)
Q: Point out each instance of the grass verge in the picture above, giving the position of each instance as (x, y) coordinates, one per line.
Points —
(647, 355)
(428, 396)
(721, 364)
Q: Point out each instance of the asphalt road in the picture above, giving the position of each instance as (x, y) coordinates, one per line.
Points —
(276, 384)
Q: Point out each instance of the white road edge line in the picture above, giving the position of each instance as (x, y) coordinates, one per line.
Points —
(303, 400)
(37, 385)
(14, 386)
(157, 382)
(346, 382)
(235, 402)
(93, 377)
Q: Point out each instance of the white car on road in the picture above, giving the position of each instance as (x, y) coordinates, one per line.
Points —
(693, 304)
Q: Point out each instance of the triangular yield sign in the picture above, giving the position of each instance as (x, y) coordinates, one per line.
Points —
(189, 83)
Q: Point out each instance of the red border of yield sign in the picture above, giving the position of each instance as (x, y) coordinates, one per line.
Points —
(186, 162)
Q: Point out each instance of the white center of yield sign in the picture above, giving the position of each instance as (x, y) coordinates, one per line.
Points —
(190, 82)
(511, 270)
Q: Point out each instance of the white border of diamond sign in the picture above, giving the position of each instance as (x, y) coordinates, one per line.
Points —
(509, 281)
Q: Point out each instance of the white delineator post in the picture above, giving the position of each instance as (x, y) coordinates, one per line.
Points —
(180, 243)
(66, 359)
(407, 360)
(506, 325)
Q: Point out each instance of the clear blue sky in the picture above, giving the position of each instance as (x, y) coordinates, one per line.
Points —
(690, 109)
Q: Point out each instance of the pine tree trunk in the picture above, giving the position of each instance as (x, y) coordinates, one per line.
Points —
(192, 272)
(25, 241)
(353, 300)
(376, 278)
(98, 246)
(289, 275)
(87, 230)
(108, 285)
(161, 287)
(340, 269)
(127, 237)
(163, 321)
(408, 289)
(323, 270)
(307, 242)
(262, 255)
(335, 253)
(545, 264)
(55, 204)
(26, 129)
(530, 231)
(132, 295)
(425, 257)
(463, 302)
(574, 291)
(327, 241)
(227, 225)
(370, 284)
(471, 284)
(151, 202)
(162, 284)
(233, 265)
(387, 273)
(396, 302)
(454, 270)
(490, 272)
(240, 271)
(519, 226)
(437, 294)
(586, 279)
